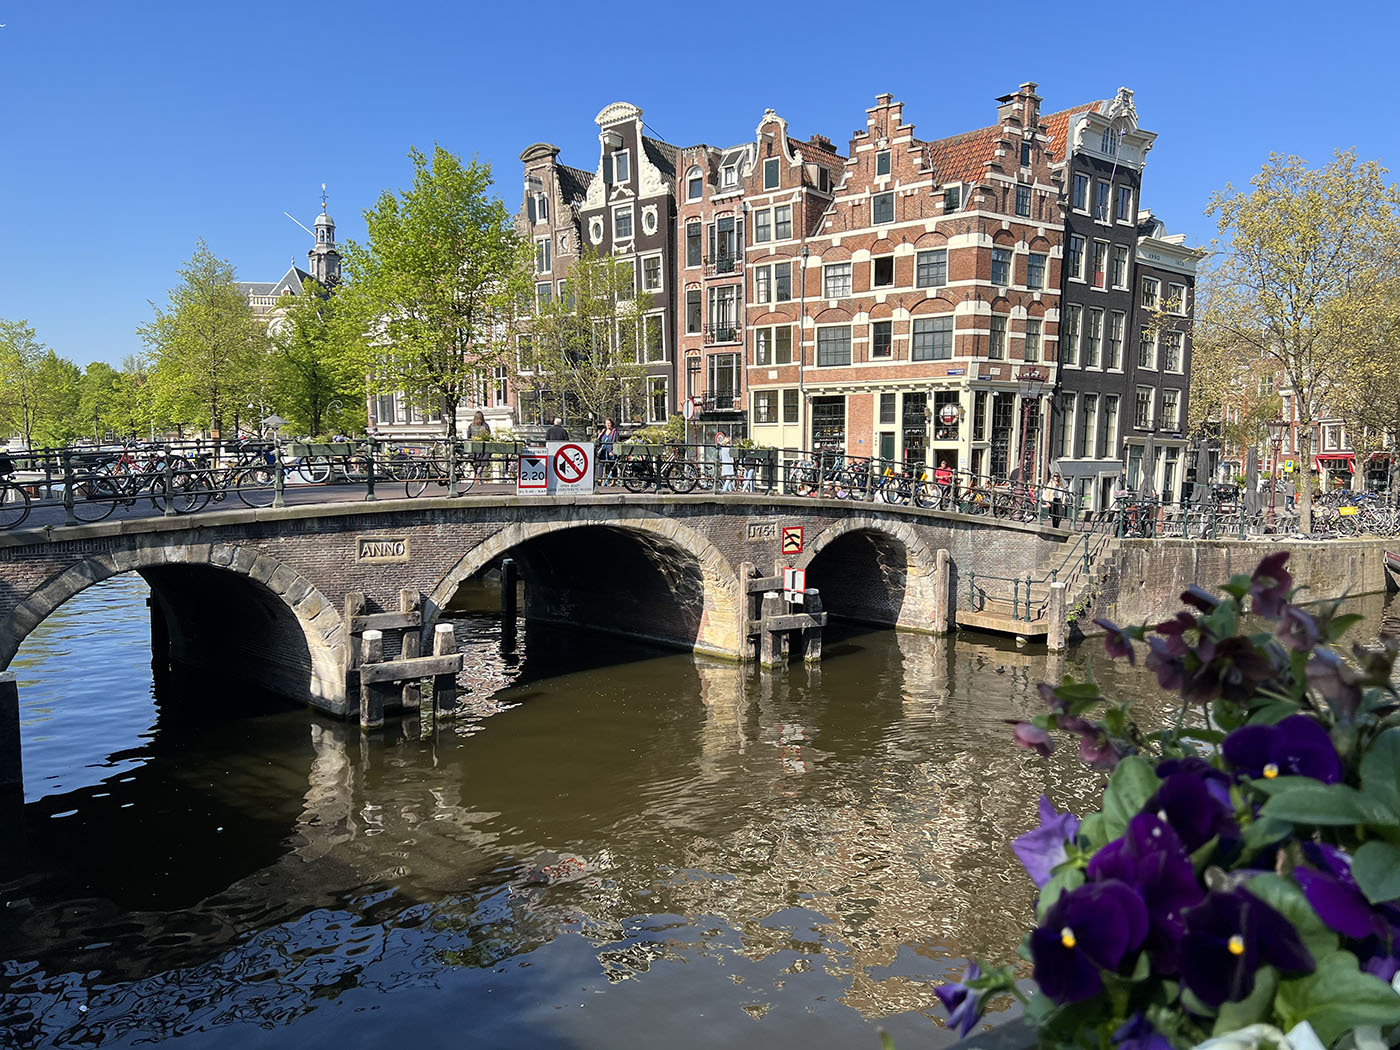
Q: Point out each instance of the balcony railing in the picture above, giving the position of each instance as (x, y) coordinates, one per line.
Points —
(721, 334)
(722, 264)
(720, 401)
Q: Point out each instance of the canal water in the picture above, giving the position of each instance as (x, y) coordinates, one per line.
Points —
(619, 845)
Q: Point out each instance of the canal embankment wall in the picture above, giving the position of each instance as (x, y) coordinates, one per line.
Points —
(1143, 581)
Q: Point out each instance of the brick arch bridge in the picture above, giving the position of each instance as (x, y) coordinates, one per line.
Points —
(257, 595)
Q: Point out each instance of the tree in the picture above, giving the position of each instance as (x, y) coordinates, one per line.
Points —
(57, 388)
(20, 351)
(318, 375)
(432, 290)
(208, 349)
(1308, 251)
(1370, 399)
(586, 349)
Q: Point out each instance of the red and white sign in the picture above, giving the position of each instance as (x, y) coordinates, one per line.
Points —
(688, 409)
(792, 539)
(948, 415)
(532, 478)
(794, 585)
(570, 466)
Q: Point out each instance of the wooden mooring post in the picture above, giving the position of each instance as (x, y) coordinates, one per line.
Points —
(381, 683)
(445, 683)
(11, 768)
(774, 625)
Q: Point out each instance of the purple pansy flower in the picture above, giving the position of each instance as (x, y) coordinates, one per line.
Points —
(1270, 584)
(1092, 927)
(1170, 669)
(961, 1002)
(1217, 781)
(1118, 643)
(1334, 894)
(1095, 749)
(1228, 937)
(1052, 699)
(1033, 737)
(1193, 809)
(1041, 849)
(1297, 630)
(1137, 1033)
(1200, 598)
(1232, 669)
(1339, 684)
(1150, 858)
(1297, 746)
(1174, 631)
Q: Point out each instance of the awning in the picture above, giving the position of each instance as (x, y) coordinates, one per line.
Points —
(1336, 458)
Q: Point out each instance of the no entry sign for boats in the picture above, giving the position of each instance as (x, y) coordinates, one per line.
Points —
(570, 466)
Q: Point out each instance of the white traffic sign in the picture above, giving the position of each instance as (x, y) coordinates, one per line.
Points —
(688, 409)
(794, 585)
(533, 476)
(570, 466)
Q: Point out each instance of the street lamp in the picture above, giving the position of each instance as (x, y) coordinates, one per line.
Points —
(1276, 429)
(1031, 380)
(802, 351)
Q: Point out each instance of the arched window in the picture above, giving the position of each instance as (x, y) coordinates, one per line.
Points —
(694, 184)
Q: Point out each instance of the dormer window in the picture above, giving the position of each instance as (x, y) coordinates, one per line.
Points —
(622, 166)
(729, 176)
(537, 205)
(1110, 141)
(823, 180)
(952, 198)
(694, 185)
(882, 163)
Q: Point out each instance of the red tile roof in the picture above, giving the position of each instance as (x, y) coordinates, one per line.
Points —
(963, 158)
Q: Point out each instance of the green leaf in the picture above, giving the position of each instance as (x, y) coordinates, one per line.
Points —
(1206, 736)
(1273, 713)
(1131, 785)
(1376, 869)
(1093, 830)
(1062, 880)
(1265, 832)
(1279, 785)
(1339, 625)
(1287, 899)
(1254, 1008)
(1335, 998)
(1330, 805)
(1380, 769)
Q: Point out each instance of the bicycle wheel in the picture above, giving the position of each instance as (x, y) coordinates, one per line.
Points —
(314, 470)
(466, 477)
(193, 493)
(14, 505)
(415, 479)
(637, 477)
(682, 477)
(95, 498)
(256, 486)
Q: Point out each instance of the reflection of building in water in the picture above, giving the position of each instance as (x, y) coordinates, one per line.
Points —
(724, 694)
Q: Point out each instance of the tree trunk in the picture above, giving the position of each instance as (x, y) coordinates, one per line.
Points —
(1305, 475)
(449, 413)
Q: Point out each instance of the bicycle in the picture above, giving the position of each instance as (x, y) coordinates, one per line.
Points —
(671, 469)
(435, 468)
(14, 498)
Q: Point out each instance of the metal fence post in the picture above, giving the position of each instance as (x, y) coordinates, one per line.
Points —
(279, 477)
(369, 472)
(69, 518)
(168, 483)
(452, 467)
(972, 591)
(1016, 599)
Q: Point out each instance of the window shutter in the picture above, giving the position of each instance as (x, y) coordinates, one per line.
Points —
(607, 169)
(530, 208)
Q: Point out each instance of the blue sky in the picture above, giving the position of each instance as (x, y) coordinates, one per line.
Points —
(130, 128)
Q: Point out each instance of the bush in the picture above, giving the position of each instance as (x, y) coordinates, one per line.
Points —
(1242, 877)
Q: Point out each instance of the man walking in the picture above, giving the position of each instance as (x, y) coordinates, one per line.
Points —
(557, 431)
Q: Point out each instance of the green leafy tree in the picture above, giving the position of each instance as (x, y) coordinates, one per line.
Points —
(432, 290)
(20, 351)
(586, 350)
(1307, 254)
(58, 383)
(208, 350)
(317, 370)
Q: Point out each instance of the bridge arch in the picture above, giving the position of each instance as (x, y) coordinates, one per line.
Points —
(873, 568)
(225, 608)
(691, 568)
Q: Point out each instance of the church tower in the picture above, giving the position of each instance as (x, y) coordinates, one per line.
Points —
(324, 260)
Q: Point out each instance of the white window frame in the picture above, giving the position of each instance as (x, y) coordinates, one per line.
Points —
(762, 226)
(1094, 262)
(1088, 192)
(544, 249)
(1156, 286)
(1176, 293)
(1030, 269)
(884, 156)
(625, 157)
(817, 344)
(1151, 407)
(1071, 333)
(1035, 326)
(998, 336)
(1010, 266)
(920, 264)
(1022, 190)
(1148, 363)
(777, 222)
(1076, 273)
(1173, 424)
(1069, 414)
(643, 347)
(1095, 343)
(1120, 254)
(957, 188)
(887, 195)
(619, 211)
(1115, 333)
(660, 272)
(1126, 220)
(832, 271)
(694, 184)
(655, 383)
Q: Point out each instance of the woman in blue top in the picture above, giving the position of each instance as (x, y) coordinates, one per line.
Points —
(607, 437)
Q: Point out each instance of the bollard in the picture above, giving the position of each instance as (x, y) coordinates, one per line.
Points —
(812, 636)
(769, 642)
(69, 518)
(444, 685)
(167, 482)
(1057, 614)
(1028, 596)
(1016, 599)
(452, 468)
(942, 591)
(369, 471)
(508, 602)
(279, 479)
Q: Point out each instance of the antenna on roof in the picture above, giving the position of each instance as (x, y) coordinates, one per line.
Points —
(294, 219)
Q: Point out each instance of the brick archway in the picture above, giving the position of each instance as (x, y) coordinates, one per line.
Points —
(319, 621)
(916, 606)
(719, 625)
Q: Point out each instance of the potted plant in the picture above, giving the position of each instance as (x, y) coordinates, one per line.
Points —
(1240, 884)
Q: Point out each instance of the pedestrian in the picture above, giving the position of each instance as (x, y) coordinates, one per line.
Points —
(606, 439)
(1290, 492)
(1057, 500)
(725, 457)
(557, 431)
(478, 430)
